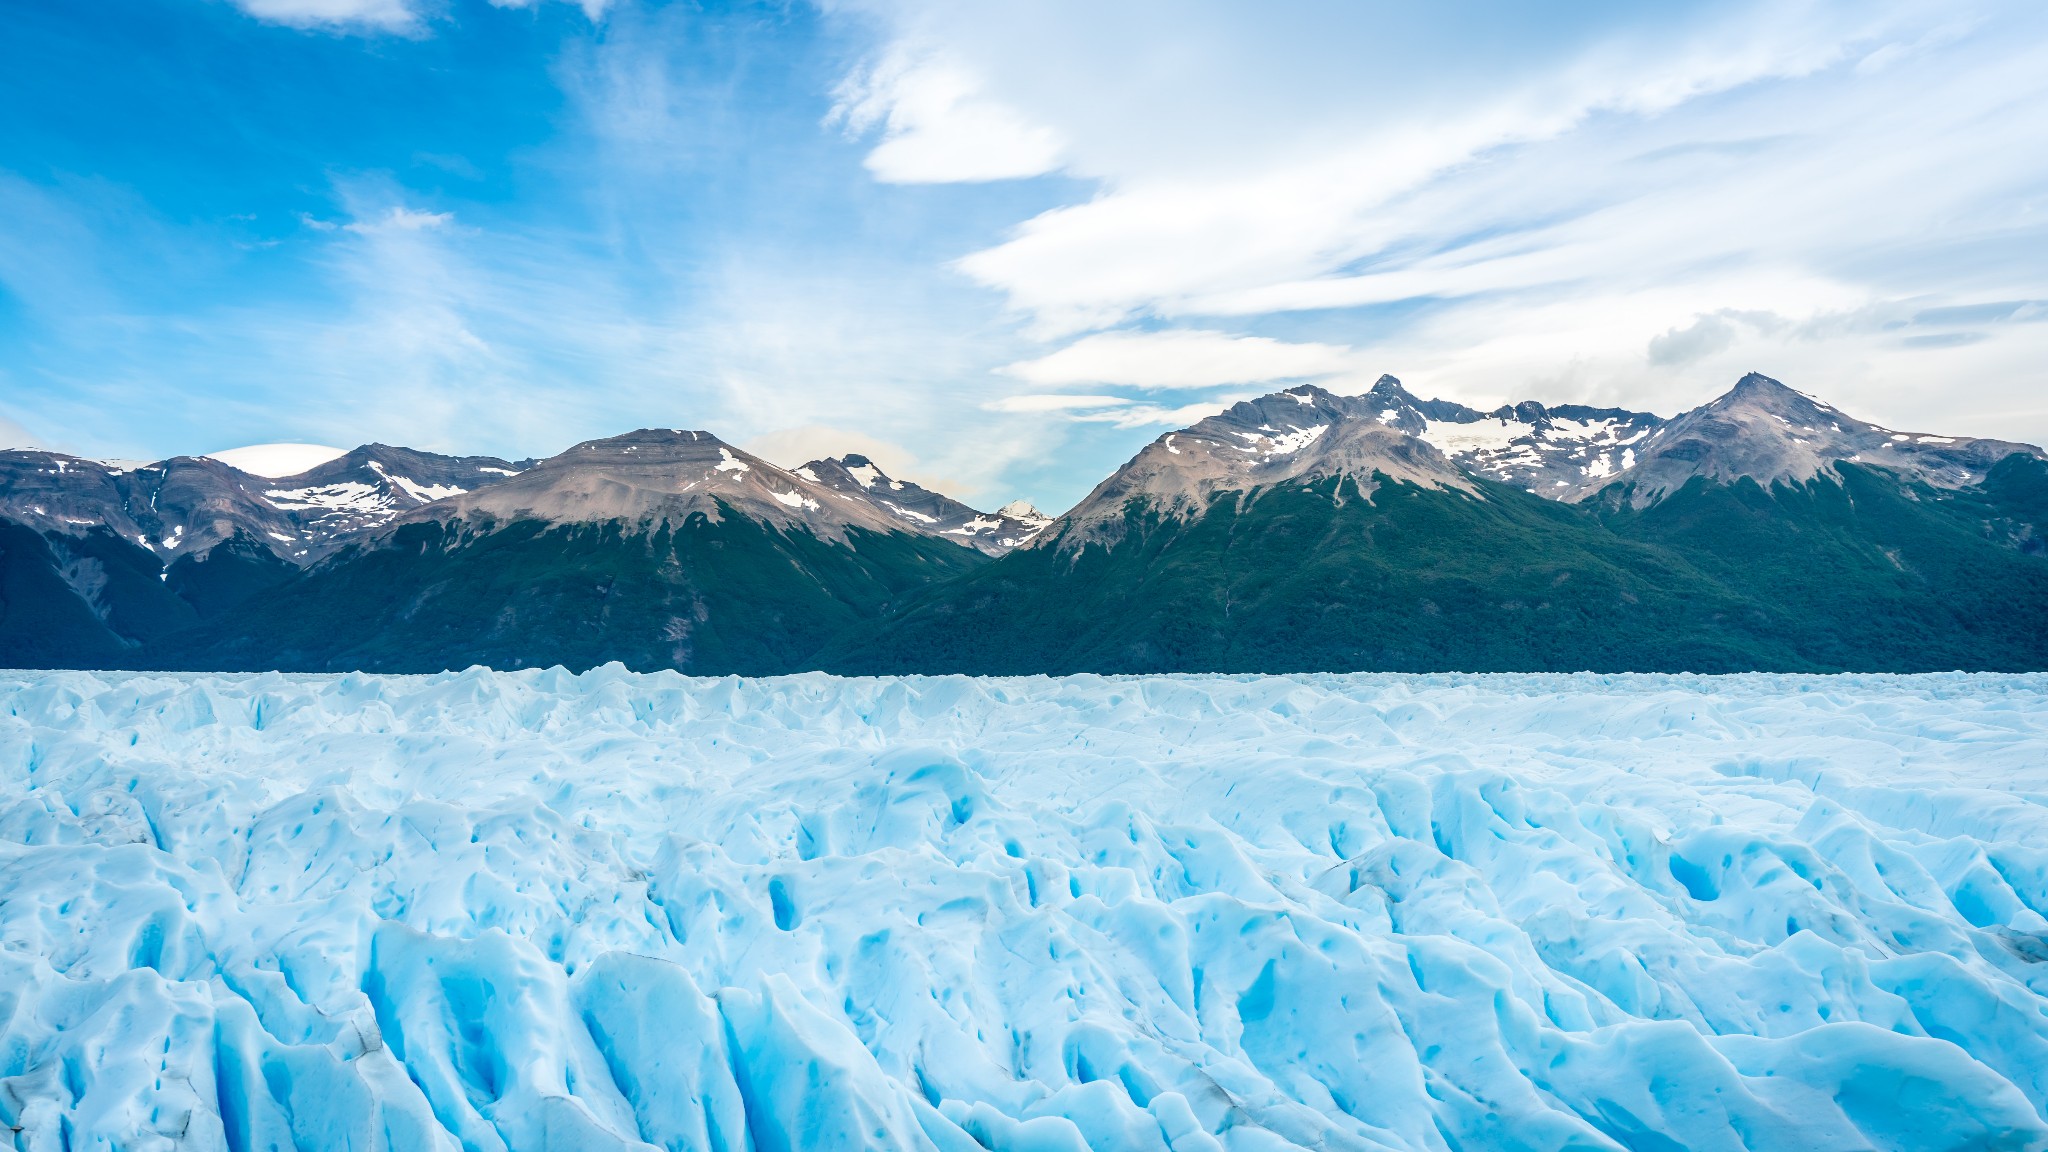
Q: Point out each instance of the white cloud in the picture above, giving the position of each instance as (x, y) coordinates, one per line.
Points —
(594, 9)
(389, 15)
(1155, 415)
(1705, 336)
(1053, 402)
(1183, 358)
(399, 218)
(372, 15)
(1118, 411)
(937, 126)
(1239, 149)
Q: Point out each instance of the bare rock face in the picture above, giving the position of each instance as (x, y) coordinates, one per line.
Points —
(653, 475)
(660, 474)
(856, 478)
(1769, 433)
(187, 505)
(184, 505)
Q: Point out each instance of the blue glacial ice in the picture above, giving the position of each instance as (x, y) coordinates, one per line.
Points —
(535, 910)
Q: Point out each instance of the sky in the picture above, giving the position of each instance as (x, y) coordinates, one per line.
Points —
(999, 246)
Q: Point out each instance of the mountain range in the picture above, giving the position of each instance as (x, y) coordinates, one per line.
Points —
(1303, 530)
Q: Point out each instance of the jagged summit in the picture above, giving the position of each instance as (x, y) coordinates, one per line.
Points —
(1556, 451)
(187, 505)
(854, 477)
(662, 474)
(367, 487)
(1307, 430)
(1764, 431)
(1301, 433)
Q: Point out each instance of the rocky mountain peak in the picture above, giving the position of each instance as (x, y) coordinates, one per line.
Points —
(1764, 431)
(1297, 434)
(1557, 452)
(655, 475)
(1757, 387)
(369, 486)
(919, 509)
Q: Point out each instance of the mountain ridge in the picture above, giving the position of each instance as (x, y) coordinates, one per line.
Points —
(1300, 530)
(1754, 428)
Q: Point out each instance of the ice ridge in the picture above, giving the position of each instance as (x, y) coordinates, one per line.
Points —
(537, 910)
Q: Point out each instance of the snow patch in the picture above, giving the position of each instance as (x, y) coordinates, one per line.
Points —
(1294, 440)
(426, 493)
(907, 513)
(347, 496)
(976, 526)
(1485, 435)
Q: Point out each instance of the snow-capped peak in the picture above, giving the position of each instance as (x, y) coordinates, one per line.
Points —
(1299, 434)
(1021, 510)
(272, 461)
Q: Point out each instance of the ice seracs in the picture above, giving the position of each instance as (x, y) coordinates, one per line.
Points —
(527, 911)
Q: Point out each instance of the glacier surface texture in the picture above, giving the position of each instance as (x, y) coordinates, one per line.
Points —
(543, 911)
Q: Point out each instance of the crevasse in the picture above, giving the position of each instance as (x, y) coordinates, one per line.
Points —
(544, 911)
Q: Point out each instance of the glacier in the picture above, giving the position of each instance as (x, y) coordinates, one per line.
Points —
(539, 910)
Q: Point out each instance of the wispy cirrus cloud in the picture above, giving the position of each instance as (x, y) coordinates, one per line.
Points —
(405, 16)
(1117, 411)
(1496, 201)
(1184, 358)
(936, 125)
(387, 15)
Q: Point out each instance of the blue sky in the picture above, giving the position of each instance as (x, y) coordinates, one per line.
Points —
(999, 246)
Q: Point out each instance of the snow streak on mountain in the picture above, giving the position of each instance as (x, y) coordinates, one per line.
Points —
(615, 911)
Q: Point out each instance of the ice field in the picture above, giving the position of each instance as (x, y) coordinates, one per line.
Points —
(540, 911)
